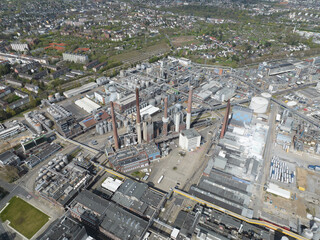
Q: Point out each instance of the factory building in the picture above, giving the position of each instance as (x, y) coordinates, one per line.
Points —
(11, 130)
(65, 228)
(224, 94)
(9, 158)
(189, 139)
(67, 124)
(88, 105)
(102, 80)
(138, 197)
(125, 103)
(59, 181)
(107, 217)
(241, 116)
(84, 88)
(93, 120)
(42, 155)
(76, 58)
(279, 68)
(131, 158)
(100, 96)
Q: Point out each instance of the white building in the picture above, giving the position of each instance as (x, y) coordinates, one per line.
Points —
(87, 105)
(76, 58)
(100, 96)
(189, 139)
(19, 47)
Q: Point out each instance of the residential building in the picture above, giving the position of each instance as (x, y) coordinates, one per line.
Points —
(76, 58)
(19, 47)
(32, 88)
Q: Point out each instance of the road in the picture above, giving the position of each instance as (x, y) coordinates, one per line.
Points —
(268, 153)
(14, 190)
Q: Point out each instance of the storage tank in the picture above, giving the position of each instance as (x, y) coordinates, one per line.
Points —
(100, 129)
(65, 159)
(259, 104)
(177, 121)
(38, 127)
(307, 233)
(109, 126)
(105, 128)
(266, 95)
(292, 103)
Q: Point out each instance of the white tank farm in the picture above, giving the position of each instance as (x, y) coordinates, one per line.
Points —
(266, 95)
(259, 104)
(292, 103)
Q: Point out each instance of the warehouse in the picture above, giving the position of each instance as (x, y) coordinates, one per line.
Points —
(125, 103)
(87, 105)
(275, 189)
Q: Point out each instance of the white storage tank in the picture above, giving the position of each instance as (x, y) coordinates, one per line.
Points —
(266, 95)
(292, 103)
(259, 104)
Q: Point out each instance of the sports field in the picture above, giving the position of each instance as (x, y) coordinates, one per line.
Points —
(23, 217)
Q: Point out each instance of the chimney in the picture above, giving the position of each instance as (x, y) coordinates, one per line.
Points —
(225, 120)
(165, 119)
(188, 120)
(138, 127)
(114, 125)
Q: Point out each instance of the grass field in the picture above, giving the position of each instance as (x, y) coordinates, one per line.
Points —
(23, 217)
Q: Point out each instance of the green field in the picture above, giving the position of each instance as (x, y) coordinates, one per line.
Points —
(23, 217)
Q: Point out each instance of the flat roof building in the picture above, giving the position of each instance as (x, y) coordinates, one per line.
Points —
(87, 105)
(189, 139)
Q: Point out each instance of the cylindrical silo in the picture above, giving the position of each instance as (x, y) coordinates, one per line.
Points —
(109, 126)
(259, 105)
(37, 127)
(105, 128)
(177, 120)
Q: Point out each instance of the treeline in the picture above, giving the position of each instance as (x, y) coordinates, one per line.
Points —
(210, 12)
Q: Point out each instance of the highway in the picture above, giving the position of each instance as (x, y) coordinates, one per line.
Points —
(248, 220)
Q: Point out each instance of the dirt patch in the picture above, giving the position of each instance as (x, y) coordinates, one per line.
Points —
(284, 208)
(183, 40)
(302, 175)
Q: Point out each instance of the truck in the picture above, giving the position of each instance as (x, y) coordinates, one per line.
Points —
(160, 179)
(314, 167)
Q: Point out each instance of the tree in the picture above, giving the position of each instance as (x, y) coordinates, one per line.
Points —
(33, 101)
(4, 69)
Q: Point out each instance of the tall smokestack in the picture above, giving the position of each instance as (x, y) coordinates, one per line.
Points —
(165, 119)
(188, 121)
(138, 127)
(114, 125)
(225, 120)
